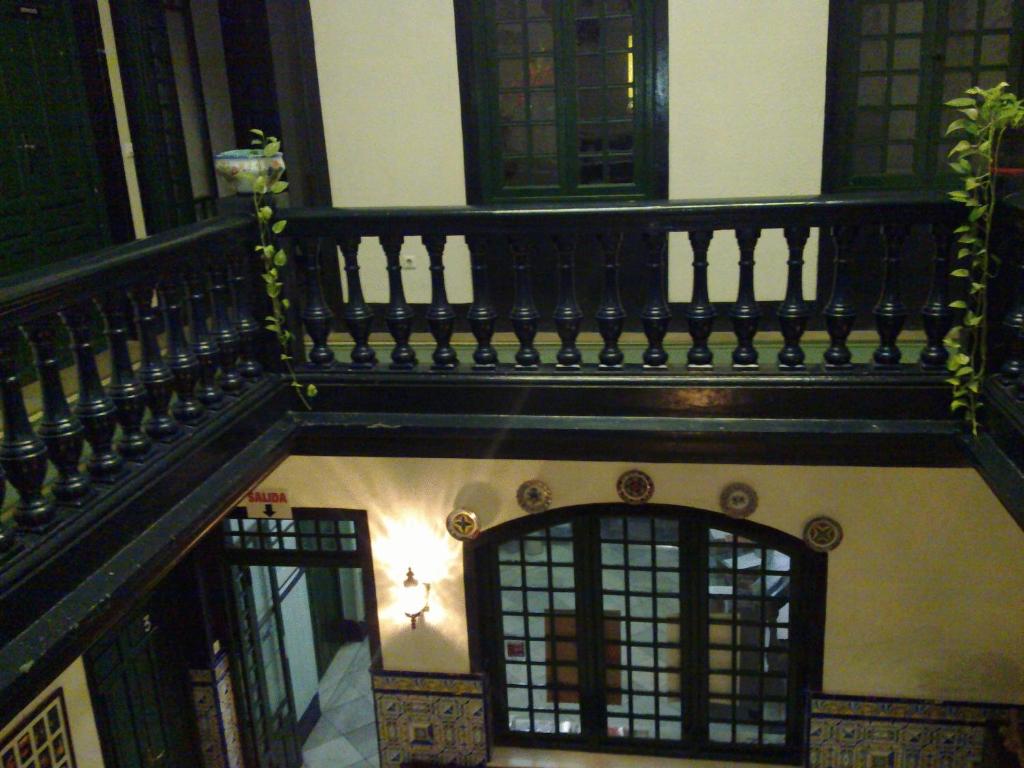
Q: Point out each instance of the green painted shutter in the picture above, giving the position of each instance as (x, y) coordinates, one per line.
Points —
(51, 204)
(896, 63)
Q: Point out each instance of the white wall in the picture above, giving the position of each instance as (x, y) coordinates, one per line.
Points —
(745, 119)
(389, 89)
(923, 594)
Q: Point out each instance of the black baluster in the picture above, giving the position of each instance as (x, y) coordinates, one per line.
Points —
(154, 373)
(700, 315)
(203, 348)
(655, 315)
(794, 312)
(1013, 320)
(127, 393)
(60, 431)
(440, 315)
(937, 317)
(358, 317)
(481, 314)
(245, 324)
(7, 540)
(183, 364)
(840, 311)
(316, 315)
(890, 312)
(524, 312)
(399, 314)
(567, 312)
(610, 315)
(94, 409)
(224, 335)
(22, 453)
(745, 313)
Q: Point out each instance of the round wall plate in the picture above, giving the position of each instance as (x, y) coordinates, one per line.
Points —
(738, 500)
(463, 525)
(635, 487)
(823, 534)
(534, 496)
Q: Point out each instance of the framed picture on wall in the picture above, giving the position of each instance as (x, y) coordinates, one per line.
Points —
(41, 739)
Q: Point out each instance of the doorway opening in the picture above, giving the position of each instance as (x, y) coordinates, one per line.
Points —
(305, 636)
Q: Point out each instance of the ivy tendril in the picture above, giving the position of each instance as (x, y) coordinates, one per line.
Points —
(986, 116)
(273, 256)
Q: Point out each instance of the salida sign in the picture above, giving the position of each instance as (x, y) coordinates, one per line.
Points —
(267, 503)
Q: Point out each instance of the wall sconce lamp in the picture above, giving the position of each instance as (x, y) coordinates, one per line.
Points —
(416, 597)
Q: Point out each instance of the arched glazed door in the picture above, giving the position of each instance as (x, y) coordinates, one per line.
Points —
(655, 629)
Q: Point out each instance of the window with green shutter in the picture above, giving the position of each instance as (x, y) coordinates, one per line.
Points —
(563, 100)
(893, 63)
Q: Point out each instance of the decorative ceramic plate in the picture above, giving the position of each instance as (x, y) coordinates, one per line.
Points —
(635, 487)
(823, 534)
(534, 496)
(738, 500)
(463, 525)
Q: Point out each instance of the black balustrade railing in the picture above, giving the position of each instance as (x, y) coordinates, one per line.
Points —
(164, 335)
(864, 241)
(148, 306)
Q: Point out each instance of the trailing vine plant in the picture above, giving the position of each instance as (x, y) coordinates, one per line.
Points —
(272, 255)
(986, 116)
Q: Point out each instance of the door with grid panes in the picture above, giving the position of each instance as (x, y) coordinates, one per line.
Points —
(564, 98)
(661, 630)
(895, 63)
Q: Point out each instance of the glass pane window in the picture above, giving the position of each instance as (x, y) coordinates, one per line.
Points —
(566, 97)
(538, 637)
(902, 59)
(642, 630)
(748, 641)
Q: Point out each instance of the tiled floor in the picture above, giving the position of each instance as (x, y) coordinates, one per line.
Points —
(346, 734)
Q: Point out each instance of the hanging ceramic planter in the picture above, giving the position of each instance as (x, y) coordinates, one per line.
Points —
(240, 166)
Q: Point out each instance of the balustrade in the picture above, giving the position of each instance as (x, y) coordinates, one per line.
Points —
(599, 235)
(127, 293)
(200, 346)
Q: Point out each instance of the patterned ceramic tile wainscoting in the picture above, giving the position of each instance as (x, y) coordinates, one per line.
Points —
(863, 732)
(214, 702)
(430, 717)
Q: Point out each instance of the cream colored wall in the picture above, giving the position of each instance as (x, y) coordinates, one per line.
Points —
(746, 113)
(923, 594)
(124, 134)
(746, 95)
(389, 89)
(81, 721)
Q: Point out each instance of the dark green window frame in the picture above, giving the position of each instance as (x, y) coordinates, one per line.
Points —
(482, 143)
(597, 688)
(866, 147)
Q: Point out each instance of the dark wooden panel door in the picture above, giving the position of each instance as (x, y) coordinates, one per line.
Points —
(140, 694)
(153, 113)
(50, 201)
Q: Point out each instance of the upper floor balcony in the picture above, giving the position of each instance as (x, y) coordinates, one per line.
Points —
(157, 396)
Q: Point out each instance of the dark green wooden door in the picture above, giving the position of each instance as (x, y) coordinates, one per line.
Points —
(50, 201)
(153, 113)
(327, 614)
(139, 689)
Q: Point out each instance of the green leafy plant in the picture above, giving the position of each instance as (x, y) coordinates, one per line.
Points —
(272, 255)
(986, 116)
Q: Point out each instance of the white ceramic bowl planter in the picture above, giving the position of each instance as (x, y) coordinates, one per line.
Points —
(240, 166)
